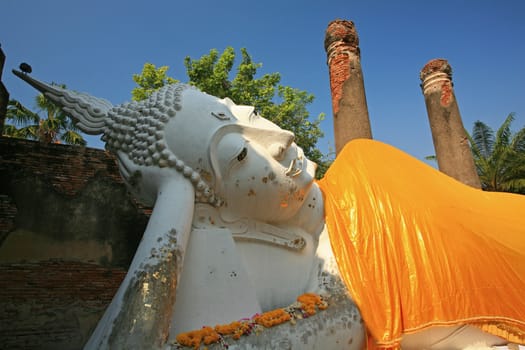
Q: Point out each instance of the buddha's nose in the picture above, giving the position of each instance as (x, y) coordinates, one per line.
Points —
(279, 144)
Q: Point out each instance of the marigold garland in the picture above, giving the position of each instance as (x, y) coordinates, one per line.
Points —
(272, 318)
(306, 306)
(310, 301)
(194, 338)
(235, 329)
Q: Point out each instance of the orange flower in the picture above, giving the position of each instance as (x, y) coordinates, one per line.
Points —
(194, 338)
(309, 301)
(235, 329)
(272, 318)
(207, 335)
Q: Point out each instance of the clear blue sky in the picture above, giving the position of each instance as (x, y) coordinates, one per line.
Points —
(95, 46)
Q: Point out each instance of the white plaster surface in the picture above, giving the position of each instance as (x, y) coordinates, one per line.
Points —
(214, 286)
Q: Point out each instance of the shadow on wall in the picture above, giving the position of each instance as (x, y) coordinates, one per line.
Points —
(68, 231)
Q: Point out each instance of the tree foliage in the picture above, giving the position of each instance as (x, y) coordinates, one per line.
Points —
(151, 79)
(212, 73)
(55, 127)
(499, 156)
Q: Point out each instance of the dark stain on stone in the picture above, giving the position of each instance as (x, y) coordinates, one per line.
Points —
(206, 176)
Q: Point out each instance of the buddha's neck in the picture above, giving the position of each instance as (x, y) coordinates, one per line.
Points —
(309, 218)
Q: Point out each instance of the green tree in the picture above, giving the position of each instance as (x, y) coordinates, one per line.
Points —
(499, 156)
(55, 127)
(151, 79)
(283, 105)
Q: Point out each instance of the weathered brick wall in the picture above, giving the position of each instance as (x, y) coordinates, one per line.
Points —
(53, 304)
(67, 168)
(8, 213)
(68, 231)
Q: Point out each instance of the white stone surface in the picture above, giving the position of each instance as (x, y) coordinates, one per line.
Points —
(215, 287)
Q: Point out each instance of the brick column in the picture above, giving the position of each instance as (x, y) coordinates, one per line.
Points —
(450, 140)
(349, 106)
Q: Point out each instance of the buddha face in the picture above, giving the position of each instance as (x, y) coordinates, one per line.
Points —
(252, 164)
(263, 173)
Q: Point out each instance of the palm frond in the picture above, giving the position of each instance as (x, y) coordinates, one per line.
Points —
(29, 132)
(73, 138)
(500, 157)
(29, 125)
(19, 114)
(481, 160)
(476, 152)
(10, 131)
(504, 134)
(514, 185)
(45, 104)
(518, 141)
(482, 139)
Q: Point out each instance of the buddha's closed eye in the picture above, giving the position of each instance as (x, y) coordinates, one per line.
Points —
(242, 154)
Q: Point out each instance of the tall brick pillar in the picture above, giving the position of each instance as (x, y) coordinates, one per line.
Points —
(450, 140)
(346, 83)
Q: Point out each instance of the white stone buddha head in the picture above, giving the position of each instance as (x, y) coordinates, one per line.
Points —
(252, 166)
(237, 161)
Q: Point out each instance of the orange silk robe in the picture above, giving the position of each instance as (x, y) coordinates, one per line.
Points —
(417, 248)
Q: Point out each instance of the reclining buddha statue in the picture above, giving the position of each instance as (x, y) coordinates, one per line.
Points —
(394, 253)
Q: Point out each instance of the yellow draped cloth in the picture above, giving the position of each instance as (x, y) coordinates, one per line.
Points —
(417, 248)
